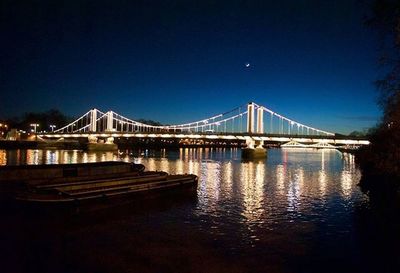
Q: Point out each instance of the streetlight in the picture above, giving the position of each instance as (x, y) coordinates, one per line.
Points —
(34, 125)
(52, 126)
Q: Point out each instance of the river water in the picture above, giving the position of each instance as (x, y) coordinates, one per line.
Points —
(299, 210)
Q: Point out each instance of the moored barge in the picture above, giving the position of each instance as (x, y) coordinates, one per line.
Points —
(108, 188)
(77, 183)
(67, 172)
(15, 178)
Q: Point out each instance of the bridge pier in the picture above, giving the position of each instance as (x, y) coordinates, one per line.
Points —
(256, 153)
(94, 144)
(254, 149)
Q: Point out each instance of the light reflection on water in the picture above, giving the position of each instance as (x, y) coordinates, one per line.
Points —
(294, 172)
(237, 196)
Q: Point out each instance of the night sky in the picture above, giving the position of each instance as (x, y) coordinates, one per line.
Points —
(179, 61)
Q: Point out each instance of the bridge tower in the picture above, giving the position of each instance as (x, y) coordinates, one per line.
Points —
(107, 144)
(260, 125)
(254, 148)
(260, 120)
(250, 117)
(109, 126)
(93, 120)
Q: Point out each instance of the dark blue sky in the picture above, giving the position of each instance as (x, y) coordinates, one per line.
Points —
(178, 61)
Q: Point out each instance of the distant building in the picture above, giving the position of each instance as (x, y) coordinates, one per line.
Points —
(3, 129)
(13, 134)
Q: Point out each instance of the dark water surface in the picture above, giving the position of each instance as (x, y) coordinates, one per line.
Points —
(297, 211)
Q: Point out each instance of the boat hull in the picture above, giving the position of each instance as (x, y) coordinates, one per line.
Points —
(75, 198)
(77, 184)
(16, 178)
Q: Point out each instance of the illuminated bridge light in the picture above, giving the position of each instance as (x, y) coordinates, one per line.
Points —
(231, 125)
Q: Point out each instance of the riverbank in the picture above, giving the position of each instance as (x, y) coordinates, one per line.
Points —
(379, 163)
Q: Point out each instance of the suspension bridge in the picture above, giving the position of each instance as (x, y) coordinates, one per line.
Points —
(252, 123)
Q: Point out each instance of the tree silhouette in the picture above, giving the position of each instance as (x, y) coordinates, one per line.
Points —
(44, 119)
(382, 157)
(385, 19)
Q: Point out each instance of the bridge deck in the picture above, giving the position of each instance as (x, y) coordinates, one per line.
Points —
(335, 139)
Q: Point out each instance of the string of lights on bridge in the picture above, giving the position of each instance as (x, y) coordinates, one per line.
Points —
(238, 120)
